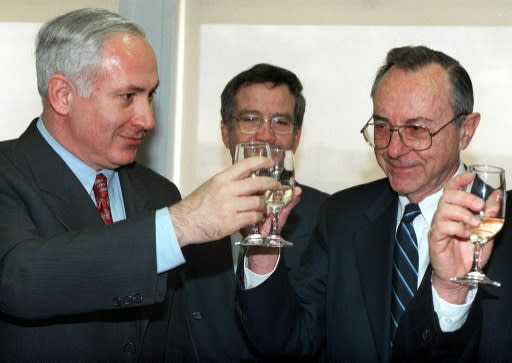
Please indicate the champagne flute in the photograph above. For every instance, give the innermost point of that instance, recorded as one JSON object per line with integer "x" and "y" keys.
{"x": 276, "y": 200}
{"x": 243, "y": 151}
{"x": 488, "y": 184}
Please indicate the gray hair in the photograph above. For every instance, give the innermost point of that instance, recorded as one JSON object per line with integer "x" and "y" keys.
{"x": 414, "y": 58}
{"x": 71, "y": 45}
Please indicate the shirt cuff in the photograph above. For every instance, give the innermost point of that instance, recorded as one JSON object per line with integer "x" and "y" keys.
{"x": 252, "y": 279}
{"x": 168, "y": 250}
{"x": 452, "y": 316}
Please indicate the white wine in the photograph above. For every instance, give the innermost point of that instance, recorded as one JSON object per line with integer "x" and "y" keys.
{"x": 487, "y": 229}
{"x": 275, "y": 200}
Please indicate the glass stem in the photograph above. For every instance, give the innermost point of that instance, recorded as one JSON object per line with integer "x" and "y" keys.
{"x": 254, "y": 229}
{"x": 274, "y": 223}
{"x": 477, "y": 247}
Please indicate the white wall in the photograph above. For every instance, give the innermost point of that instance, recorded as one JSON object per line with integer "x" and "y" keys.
{"x": 337, "y": 65}
{"x": 19, "y": 99}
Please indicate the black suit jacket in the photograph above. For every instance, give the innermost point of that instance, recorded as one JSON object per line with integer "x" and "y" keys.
{"x": 341, "y": 295}
{"x": 210, "y": 286}
{"x": 72, "y": 288}
{"x": 487, "y": 334}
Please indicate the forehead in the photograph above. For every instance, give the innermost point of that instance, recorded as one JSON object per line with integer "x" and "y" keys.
{"x": 128, "y": 57}
{"x": 264, "y": 96}
{"x": 405, "y": 94}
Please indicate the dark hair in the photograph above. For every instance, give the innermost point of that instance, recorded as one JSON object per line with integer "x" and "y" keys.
{"x": 262, "y": 73}
{"x": 414, "y": 58}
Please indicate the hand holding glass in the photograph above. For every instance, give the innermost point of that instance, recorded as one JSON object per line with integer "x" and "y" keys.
{"x": 243, "y": 151}
{"x": 488, "y": 184}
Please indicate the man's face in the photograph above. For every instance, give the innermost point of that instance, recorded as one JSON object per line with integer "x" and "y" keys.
{"x": 105, "y": 129}
{"x": 404, "y": 97}
{"x": 267, "y": 100}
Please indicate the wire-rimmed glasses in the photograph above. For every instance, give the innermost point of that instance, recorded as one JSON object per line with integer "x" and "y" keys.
{"x": 377, "y": 132}
{"x": 251, "y": 122}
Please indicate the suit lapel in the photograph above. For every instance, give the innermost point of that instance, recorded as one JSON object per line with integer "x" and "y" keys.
{"x": 134, "y": 192}
{"x": 60, "y": 189}
{"x": 374, "y": 252}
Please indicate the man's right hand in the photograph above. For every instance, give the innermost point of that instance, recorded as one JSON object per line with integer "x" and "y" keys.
{"x": 224, "y": 204}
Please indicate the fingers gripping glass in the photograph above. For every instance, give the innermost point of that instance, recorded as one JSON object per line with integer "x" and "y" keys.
{"x": 251, "y": 123}
{"x": 378, "y": 133}
{"x": 243, "y": 151}
{"x": 488, "y": 184}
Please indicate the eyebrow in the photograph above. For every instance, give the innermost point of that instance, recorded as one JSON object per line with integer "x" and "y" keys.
{"x": 406, "y": 122}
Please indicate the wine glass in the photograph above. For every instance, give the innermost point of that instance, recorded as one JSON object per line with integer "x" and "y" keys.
{"x": 243, "y": 151}
{"x": 488, "y": 184}
{"x": 276, "y": 200}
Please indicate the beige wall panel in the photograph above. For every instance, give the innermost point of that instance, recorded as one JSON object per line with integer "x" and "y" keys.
{"x": 42, "y": 10}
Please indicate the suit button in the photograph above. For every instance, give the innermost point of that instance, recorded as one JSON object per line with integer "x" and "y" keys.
{"x": 117, "y": 302}
{"x": 129, "y": 348}
{"x": 197, "y": 315}
{"x": 137, "y": 298}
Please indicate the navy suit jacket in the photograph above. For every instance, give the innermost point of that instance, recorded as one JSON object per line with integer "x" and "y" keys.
{"x": 72, "y": 288}
{"x": 210, "y": 286}
{"x": 341, "y": 294}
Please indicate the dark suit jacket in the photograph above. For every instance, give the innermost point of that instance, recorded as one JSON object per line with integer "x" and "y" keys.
{"x": 210, "y": 285}
{"x": 72, "y": 288}
{"x": 487, "y": 334}
{"x": 341, "y": 295}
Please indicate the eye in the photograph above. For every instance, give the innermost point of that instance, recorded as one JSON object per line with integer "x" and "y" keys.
{"x": 281, "y": 121}
{"x": 151, "y": 96}
{"x": 380, "y": 125}
{"x": 127, "y": 96}
{"x": 249, "y": 118}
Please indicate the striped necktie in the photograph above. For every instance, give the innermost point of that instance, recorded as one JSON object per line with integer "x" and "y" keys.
{"x": 405, "y": 265}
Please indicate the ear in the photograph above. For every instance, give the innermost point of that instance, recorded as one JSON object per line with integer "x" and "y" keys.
{"x": 224, "y": 130}
{"x": 468, "y": 129}
{"x": 60, "y": 94}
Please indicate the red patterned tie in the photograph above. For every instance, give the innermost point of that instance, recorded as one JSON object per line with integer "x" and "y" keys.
{"x": 101, "y": 193}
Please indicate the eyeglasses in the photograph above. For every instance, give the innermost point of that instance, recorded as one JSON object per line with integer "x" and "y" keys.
{"x": 251, "y": 123}
{"x": 378, "y": 133}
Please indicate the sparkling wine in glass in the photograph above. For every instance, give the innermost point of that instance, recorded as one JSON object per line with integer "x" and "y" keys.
{"x": 276, "y": 200}
{"x": 488, "y": 184}
{"x": 243, "y": 151}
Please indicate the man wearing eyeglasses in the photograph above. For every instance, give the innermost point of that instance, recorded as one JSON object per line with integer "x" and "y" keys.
{"x": 369, "y": 261}
{"x": 263, "y": 103}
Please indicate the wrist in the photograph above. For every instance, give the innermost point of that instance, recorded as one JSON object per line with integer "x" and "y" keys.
{"x": 452, "y": 292}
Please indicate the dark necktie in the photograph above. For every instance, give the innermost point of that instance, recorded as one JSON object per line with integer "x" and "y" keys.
{"x": 101, "y": 194}
{"x": 405, "y": 265}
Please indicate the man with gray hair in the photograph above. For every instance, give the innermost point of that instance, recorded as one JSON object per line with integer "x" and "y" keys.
{"x": 369, "y": 259}
{"x": 90, "y": 240}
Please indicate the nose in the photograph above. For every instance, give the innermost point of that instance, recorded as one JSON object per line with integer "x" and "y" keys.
{"x": 265, "y": 133}
{"x": 396, "y": 146}
{"x": 146, "y": 116}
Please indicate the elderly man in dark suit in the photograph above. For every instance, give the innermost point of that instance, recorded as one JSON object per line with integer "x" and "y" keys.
{"x": 89, "y": 239}
{"x": 264, "y": 94}
{"x": 369, "y": 255}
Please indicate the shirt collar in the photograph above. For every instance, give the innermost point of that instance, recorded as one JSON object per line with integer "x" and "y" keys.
{"x": 428, "y": 205}
{"x": 85, "y": 174}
